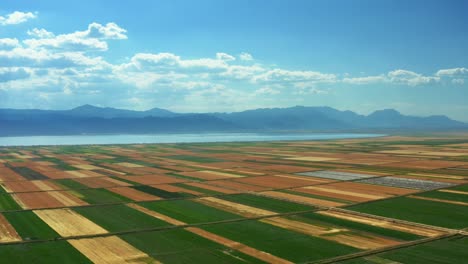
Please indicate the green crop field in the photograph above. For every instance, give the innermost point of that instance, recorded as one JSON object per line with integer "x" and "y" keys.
{"x": 99, "y": 196}
{"x": 189, "y": 211}
{"x": 275, "y": 205}
{"x": 279, "y": 242}
{"x": 8, "y": 203}
{"x": 115, "y": 218}
{"x": 446, "y": 251}
{"x": 54, "y": 252}
{"x": 29, "y": 226}
{"x": 159, "y": 192}
{"x": 324, "y": 220}
{"x": 420, "y": 211}
{"x": 181, "y": 246}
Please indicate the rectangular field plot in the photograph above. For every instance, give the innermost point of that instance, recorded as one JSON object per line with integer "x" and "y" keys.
{"x": 189, "y": 211}
{"x": 29, "y": 226}
{"x": 279, "y": 242}
{"x": 407, "y": 183}
{"x": 115, "y": 218}
{"x": 450, "y": 250}
{"x": 262, "y": 202}
{"x": 42, "y": 253}
{"x": 337, "y": 175}
{"x": 419, "y": 211}
{"x": 99, "y": 196}
{"x": 325, "y": 219}
{"x": 184, "y": 246}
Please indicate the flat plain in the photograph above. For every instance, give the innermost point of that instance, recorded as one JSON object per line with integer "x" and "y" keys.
{"x": 394, "y": 199}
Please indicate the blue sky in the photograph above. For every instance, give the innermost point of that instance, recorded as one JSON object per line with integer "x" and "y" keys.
{"x": 201, "y": 56}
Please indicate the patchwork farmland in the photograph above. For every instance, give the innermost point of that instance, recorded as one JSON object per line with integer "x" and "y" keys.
{"x": 382, "y": 200}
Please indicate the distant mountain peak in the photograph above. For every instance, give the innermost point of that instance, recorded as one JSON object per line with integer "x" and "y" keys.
{"x": 85, "y": 107}
{"x": 386, "y": 113}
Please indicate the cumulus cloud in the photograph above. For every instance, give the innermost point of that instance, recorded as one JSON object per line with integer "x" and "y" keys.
{"x": 452, "y": 72}
{"x": 109, "y": 31}
{"x": 16, "y": 17}
{"x": 245, "y": 56}
{"x": 286, "y": 76}
{"x": 94, "y": 38}
{"x": 224, "y": 56}
{"x": 364, "y": 80}
{"x": 40, "y": 33}
{"x": 8, "y": 43}
{"x": 410, "y": 78}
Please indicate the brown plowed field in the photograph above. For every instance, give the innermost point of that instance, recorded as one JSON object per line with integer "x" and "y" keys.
{"x": 6, "y": 174}
{"x": 133, "y": 194}
{"x": 101, "y": 182}
{"x": 7, "y": 232}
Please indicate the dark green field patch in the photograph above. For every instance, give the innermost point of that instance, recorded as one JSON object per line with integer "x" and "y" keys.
{"x": 29, "y": 226}
{"x": 280, "y": 242}
{"x": 197, "y": 189}
{"x": 8, "y": 203}
{"x": 420, "y": 211}
{"x": 29, "y": 173}
{"x": 445, "y": 196}
{"x": 279, "y": 206}
{"x": 181, "y": 246}
{"x": 324, "y": 220}
{"x": 47, "y": 253}
{"x": 446, "y": 251}
{"x": 160, "y": 193}
{"x": 189, "y": 211}
{"x": 317, "y": 196}
{"x": 116, "y": 218}
{"x": 70, "y": 184}
{"x": 99, "y": 196}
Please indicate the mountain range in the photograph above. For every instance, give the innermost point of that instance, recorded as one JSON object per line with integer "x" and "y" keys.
{"x": 88, "y": 119}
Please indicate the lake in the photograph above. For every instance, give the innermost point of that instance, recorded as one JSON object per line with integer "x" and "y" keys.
{"x": 172, "y": 138}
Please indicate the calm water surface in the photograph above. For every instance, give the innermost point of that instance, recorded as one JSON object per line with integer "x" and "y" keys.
{"x": 170, "y": 138}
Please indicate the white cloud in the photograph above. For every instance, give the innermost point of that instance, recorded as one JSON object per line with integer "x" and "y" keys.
{"x": 458, "y": 81}
{"x": 109, "y": 31}
{"x": 40, "y": 33}
{"x": 286, "y": 76}
{"x": 364, "y": 80}
{"x": 224, "y": 56}
{"x": 245, "y": 56}
{"x": 410, "y": 78}
{"x": 16, "y": 17}
{"x": 8, "y": 43}
{"x": 452, "y": 72}
{"x": 91, "y": 39}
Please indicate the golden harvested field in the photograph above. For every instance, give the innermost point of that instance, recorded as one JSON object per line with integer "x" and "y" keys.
{"x": 235, "y": 202}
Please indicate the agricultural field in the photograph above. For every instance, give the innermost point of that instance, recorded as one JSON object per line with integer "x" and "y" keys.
{"x": 392, "y": 199}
